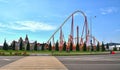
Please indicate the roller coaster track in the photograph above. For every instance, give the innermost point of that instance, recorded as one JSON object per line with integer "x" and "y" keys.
{"x": 85, "y": 27}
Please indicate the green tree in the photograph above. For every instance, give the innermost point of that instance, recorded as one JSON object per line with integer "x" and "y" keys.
{"x": 57, "y": 46}
{"x": 84, "y": 47}
{"x": 5, "y": 46}
{"x": 92, "y": 48}
{"x": 71, "y": 46}
{"x": 77, "y": 47}
{"x": 13, "y": 45}
{"x": 103, "y": 46}
{"x": 28, "y": 46}
{"x": 98, "y": 47}
{"x": 50, "y": 47}
{"x": 64, "y": 46}
{"x": 107, "y": 46}
{"x": 21, "y": 44}
{"x": 42, "y": 47}
{"x": 115, "y": 48}
{"x": 35, "y": 46}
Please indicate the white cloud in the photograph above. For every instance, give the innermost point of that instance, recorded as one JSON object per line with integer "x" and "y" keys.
{"x": 29, "y": 26}
{"x": 7, "y": 32}
{"x": 108, "y": 10}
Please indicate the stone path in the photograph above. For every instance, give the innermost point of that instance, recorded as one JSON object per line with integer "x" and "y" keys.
{"x": 35, "y": 63}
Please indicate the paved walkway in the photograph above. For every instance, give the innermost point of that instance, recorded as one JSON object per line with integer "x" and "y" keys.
{"x": 35, "y": 63}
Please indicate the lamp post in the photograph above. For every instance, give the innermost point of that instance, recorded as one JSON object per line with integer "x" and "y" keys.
{"x": 91, "y": 45}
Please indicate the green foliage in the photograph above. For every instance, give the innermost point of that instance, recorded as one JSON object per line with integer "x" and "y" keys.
{"x": 50, "y": 47}
{"x": 98, "y": 47}
{"x": 57, "y": 46}
{"x": 77, "y": 47}
{"x": 13, "y": 45}
{"x": 84, "y": 47}
{"x": 42, "y": 47}
{"x": 92, "y": 48}
{"x": 64, "y": 46}
{"x": 71, "y": 46}
{"x": 28, "y": 46}
{"x": 107, "y": 46}
{"x": 21, "y": 44}
{"x": 35, "y": 46}
{"x": 103, "y": 46}
{"x": 5, "y": 46}
{"x": 115, "y": 48}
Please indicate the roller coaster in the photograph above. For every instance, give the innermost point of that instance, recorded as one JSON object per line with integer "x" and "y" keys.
{"x": 85, "y": 37}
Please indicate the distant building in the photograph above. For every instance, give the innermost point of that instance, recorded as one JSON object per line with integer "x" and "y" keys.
{"x": 112, "y": 45}
{"x": 17, "y": 44}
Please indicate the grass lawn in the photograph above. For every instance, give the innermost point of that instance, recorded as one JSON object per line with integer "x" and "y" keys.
{"x": 54, "y": 53}
{"x": 75, "y": 53}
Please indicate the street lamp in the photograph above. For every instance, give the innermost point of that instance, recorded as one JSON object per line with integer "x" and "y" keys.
{"x": 91, "y": 48}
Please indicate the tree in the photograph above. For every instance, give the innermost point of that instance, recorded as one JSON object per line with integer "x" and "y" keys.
{"x": 57, "y": 46}
{"x": 21, "y": 44}
{"x": 77, "y": 47}
{"x": 115, "y": 48}
{"x": 64, "y": 46}
{"x": 71, "y": 46}
{"x": 50, "y": 47}
{"x": 5, "y": 46}
{"x": 98, "y": 47}
{"x": 107, "y": 46}
{"x": 28, "y": 46}
{"x": 103, "y": 46}
{"x": 35, "y": 46}
{"x": 13, "y": 45}
{"x": 42, "y": 47}
{"x": 84, "y": 46}
{"x": 92, "y": 48}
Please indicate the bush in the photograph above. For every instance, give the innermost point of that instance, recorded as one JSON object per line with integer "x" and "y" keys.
{"x": 17, "y": 53}
{"x": 25, "y": 54}
{"x": 10, "y": 53}
{"x": 115, "y": 48}
{"x": 2, "y": 53}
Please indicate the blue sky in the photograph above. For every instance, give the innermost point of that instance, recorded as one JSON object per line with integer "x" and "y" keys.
{"x": 40, "y": 18}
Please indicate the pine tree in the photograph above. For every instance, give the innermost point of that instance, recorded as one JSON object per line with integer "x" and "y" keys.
{"x": 92, "y": 48}
{"x": 107, "y": 46}
{"x": 5, "y": 46}
{"x": 21, "y": 44}
{"x": 103, "y": 46}
{"x": 71, "y": 46}
{"x": 35, "y": 46}
{"x": 28, "y": 46}
{"x": 13, "y": 45}
{"x": 84, "y": 47}
{"x": 50, "y": 47}
{"x": 98, "y": 47}
{"x": 57, "y": 46}
{"x": 77, "y": 47}
{"x": 64, "y": 46}
{"x": 42, "y": 48}
{"x": 115, "y": 48}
